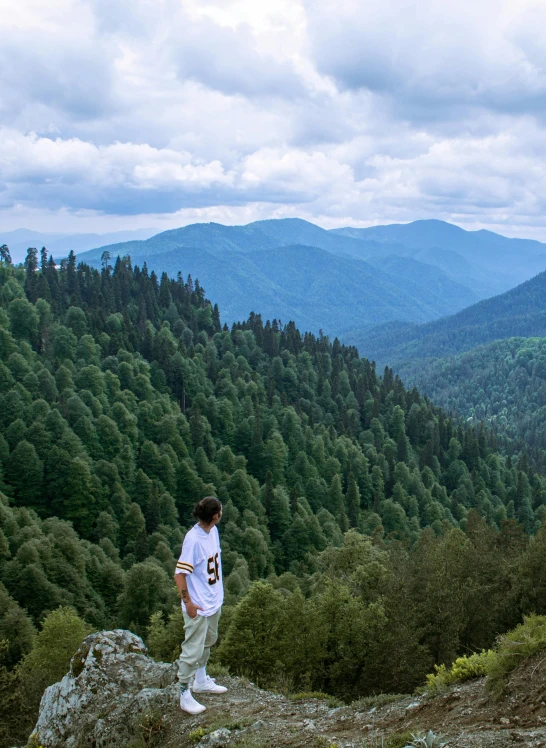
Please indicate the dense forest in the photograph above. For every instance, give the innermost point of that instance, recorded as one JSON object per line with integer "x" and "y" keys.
{"x": 375, "y": 522}
{"x": 502, "y": 384}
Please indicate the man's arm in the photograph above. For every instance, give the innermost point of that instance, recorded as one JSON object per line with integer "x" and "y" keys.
{"x": 181, "y": 583}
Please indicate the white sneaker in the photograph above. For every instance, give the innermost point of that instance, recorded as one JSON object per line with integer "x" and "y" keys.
{"x": 189, "y": 704}
{"x": 209, "y": 685}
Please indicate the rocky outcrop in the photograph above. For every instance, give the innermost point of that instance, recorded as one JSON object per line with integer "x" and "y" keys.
{"x": 110, "y": 684}
{"x": 115, "y": 696}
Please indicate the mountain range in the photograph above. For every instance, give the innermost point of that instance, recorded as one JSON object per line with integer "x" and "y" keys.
{"x": 345, "y": 281}
{"x": 340, "y": 281}
{"x": 484, "y": 257}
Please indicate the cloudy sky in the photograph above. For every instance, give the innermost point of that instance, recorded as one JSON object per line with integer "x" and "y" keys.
{"x": 120, "y": 114}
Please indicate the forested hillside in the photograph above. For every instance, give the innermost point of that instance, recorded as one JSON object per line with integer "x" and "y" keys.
{"x": 519, "y": 312}
{"x": 123, "y": 401}
{"x": 502, "y": 383}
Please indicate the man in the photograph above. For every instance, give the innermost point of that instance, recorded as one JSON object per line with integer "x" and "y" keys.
{"x": 198, "y": 577}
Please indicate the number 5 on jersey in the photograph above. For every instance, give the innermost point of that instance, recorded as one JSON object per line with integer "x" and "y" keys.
{"x": 213, "y": 569}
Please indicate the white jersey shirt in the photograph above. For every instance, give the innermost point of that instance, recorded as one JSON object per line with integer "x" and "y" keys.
{"x": 201, "y": 562}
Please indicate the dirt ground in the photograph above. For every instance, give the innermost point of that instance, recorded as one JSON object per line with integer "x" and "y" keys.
{"x": 464, "y": 716}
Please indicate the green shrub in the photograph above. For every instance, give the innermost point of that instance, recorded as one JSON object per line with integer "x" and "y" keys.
{"x": 34, "y": 742}
{"x": 332, "y": 701}
{"x": 464, "y": 668}
{"x": 164, "y": 639}
{"x": 322, "y": 742}
{"x": 381, "y": 699}
{"x": 230, "y": 724}
{"x": 215, "y": 670}
{"x": 151, "y": 727}
{"x": 514, "y": 648}
{"x": 62, "y": 633}
{"x": 399, "y": 740}
{"x": 197, "y": 734}
{"x": 21, "y": 688}
{"x": 428, "y": 740}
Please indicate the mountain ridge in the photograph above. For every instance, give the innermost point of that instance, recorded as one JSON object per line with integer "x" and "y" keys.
{"x": 244, "y": 277}
{"x": 520, "y": 312}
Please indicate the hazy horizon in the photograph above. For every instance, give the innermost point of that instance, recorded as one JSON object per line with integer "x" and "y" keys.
{"x": 157, "y": 230}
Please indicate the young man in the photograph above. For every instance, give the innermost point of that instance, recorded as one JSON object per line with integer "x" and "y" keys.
{"x": 198, "y": 577}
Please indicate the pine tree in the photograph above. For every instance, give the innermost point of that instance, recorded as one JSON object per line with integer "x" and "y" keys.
{"x": 353, "y": 502}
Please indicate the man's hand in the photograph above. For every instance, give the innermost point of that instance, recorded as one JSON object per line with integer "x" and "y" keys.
{"x": 191, "y": 609}
{"x": 181, "y": 583}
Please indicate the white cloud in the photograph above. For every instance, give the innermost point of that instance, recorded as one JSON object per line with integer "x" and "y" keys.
{"x": 432, "y": 57}
{"x": 166, "y": 111}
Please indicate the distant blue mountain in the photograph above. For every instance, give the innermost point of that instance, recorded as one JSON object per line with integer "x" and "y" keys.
{"x": 253, "y": 237}
{"x": 292, "y": 269}
{"x": 427, "y": 275}
{"x": 346, "y": 279}
{"x": 509, "y": 261}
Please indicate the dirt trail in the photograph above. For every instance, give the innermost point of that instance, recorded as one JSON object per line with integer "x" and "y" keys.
{"x": 464, "y": 716}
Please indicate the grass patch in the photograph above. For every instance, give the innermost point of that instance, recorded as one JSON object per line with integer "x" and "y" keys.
{"x": 380, "y": 699}
{"x": 399, "y": 740}
{"x": 332, "y": 701}
{"x": 246, "y": 741}
{"x": 523, "y": 642}
{"x": 34, "y": 741}
{"x": 198, "y": 733}
{"x": 232, "y": 724}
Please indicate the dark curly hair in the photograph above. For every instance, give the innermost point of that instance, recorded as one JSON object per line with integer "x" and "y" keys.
{"x": 206, "y": 509}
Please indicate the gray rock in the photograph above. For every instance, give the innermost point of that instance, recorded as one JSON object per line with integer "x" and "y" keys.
{"x": 110, "y": 685}
{"x": 217, "y": 738}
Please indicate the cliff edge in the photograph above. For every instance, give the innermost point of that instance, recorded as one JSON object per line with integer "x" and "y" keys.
{"x": 116, "y": 696}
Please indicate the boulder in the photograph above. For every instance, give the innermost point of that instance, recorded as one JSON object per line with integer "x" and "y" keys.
{"x": 111, "y": 684}
{"x": 216, "y": 739}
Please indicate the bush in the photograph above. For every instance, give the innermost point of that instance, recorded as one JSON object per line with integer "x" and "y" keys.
{"x": 514, "y": 648}
{"x": 165, "y": 639}
{"x": 381, "y": 699}
{"x": 21, "y": 688}
{"x": 428, "y": 740}
{"x": 464, "y": 668}
{"x": 332, "y": 701}
{"x": 152, "y": 727}
{"x": 399, "y": 740}
{"x": 61, "y": 635}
